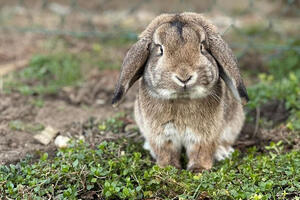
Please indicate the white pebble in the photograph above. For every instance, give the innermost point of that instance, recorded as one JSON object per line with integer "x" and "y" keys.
{"x": 61, "y": 141}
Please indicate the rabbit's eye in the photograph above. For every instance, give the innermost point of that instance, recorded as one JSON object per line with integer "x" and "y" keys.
{"x": 202, "y": 48}
{"x": 160, "y": 49}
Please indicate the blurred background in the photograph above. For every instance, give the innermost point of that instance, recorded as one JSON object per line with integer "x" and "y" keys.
{"x": 59, "y": 61}
{"x": 257, "y": 30}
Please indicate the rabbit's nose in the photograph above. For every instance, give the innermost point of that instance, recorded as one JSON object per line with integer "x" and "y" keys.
{"x": 184, "y": 81}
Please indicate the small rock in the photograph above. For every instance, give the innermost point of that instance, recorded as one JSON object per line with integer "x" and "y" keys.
{"x": 100, "y": 101}
{"x": 46, "y": 135}
{"x": 61, "y": 141}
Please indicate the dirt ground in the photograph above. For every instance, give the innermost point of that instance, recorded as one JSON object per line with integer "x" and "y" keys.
{"x": 72, "y": 109}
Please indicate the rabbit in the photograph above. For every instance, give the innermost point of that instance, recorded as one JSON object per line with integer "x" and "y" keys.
{"x": 190, "y": 92}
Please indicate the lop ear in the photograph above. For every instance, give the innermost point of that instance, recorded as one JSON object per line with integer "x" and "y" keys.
{"x": 227, "y": 64}
{"x": 223, "y": 55}
{"x": 132, "y": 68}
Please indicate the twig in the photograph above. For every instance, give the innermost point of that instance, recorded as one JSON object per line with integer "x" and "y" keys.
{"x": 256, "y": 121}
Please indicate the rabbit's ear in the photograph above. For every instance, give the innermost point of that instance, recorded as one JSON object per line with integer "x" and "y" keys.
{"x": 227, "y": 64}
{"x": 132, "y": 68}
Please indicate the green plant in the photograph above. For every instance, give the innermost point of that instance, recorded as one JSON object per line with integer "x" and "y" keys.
{"x": 114, "y": 124}
{"x": 286, "y": 89}
{"x": 46, "y": 74}
{"x": 117, "y": 170}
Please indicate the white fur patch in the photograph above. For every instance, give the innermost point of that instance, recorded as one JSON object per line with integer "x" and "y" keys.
{"x": 163, "y": 93}
{"x": 180, "y": 138}
{"x": 166, "y": 93}
{"x": 170, "y": 130}
{"x": 170, "y": 133}
{"x": 223, "y": 153}
{"x": 189, "y": 137}
{"x": 147, "y": 146}
{"x": 227, "y": 135}
{"x": 199, "y": 92}
{"x": 193, "y": 79}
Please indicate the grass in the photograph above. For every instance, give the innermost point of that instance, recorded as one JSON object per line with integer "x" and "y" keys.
{"x": 121, "y": 170}
{"x": 46, "y": 74}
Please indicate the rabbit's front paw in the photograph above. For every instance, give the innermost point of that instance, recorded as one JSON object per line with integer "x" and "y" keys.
{"x": 166, "y": 162}
{"x": 198, "y": 167}
{"x": 200, "y": 157}
{"x": 223, "y": 152}
{"x": 167, "y": 154}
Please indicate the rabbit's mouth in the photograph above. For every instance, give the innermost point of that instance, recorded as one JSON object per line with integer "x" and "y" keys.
{"x": 183, "y": 95}
{"x": 191, "y": 93}
{"x": 195, "y": 92}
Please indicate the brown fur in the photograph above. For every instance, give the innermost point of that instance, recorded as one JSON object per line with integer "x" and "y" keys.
{"x": 167, "y": 154}
{"x": 201, "y": 156}
{"x": 182, "y": 101}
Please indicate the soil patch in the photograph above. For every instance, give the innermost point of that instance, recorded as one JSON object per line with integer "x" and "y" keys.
{"x": 64, "y": 112}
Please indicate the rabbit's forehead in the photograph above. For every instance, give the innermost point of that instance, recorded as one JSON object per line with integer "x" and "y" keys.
{"x": 175, "y": 35}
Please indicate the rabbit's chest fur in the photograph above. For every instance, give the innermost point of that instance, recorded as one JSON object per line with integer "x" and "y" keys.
{"x": 182, "y": 121}
{"x": 180, "y": 136}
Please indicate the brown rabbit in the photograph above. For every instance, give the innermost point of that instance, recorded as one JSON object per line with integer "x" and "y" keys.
{"x": 190, "y": 90}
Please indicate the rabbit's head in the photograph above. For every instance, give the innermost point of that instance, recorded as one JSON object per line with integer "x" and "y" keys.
{"x": 180, "y": 56}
